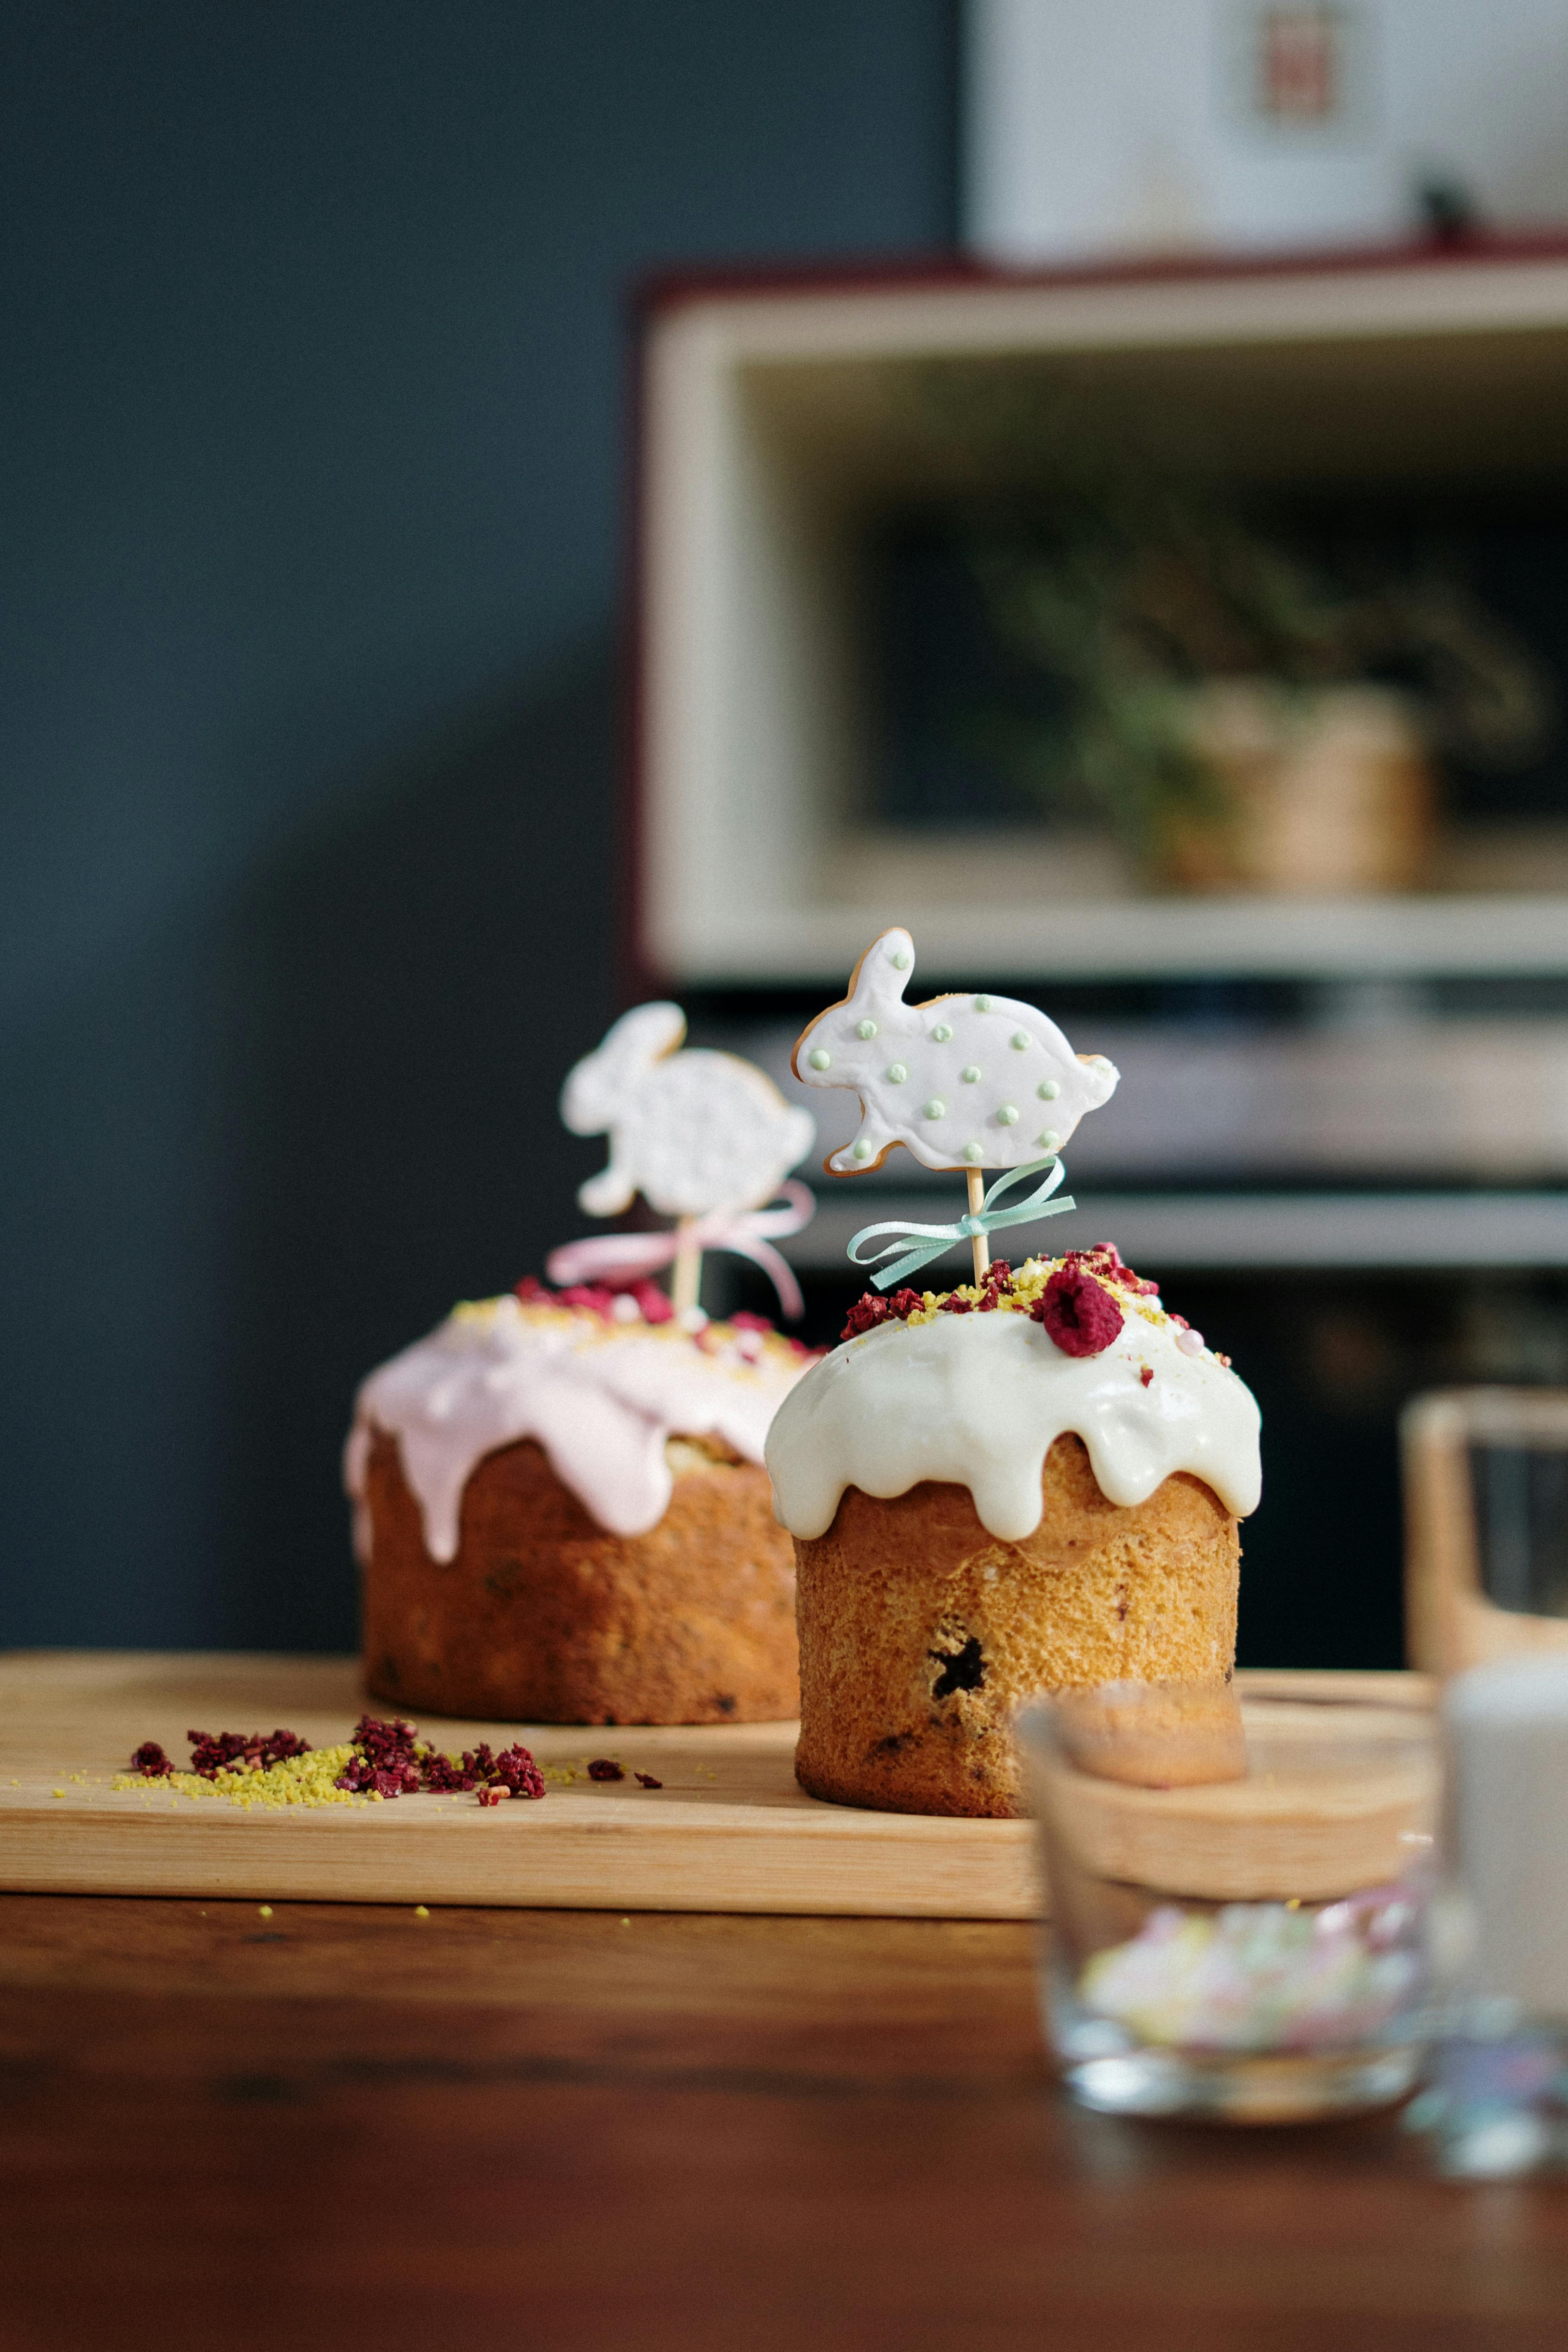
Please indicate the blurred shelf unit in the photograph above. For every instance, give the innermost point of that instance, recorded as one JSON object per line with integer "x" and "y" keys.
{"x": 1425, "y": 1102}
{"x": 782, "y": 423}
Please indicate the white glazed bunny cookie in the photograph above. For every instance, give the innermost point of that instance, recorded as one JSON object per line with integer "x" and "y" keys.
{"x": 964, "y": 1081}
{"x": 692, "y": 1131}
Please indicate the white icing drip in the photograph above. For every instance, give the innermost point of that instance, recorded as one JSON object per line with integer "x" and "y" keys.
{"x": 979, "y": 1400}
{"x": 601, "y": 1400}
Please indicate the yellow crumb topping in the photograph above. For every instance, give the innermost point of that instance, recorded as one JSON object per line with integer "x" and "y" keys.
{"x": 753, "y": 1346}
{"x": 1027, "y": 1286}
{"x": 307, "y": 1780}
{"x": 299, "y": 1780}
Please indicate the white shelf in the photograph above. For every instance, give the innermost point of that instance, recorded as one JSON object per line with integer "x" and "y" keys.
{"x": 780, "y": 427}
{"x": 1238, "y": 1233}
{"x": 762, "y": 945}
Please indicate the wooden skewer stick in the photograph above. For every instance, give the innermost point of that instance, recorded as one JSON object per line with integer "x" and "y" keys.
{"x": 978, "y": 1242}
{"x": 687, "y": 1281}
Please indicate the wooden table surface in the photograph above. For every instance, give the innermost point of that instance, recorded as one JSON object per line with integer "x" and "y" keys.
{"x": 349, "y": 2126}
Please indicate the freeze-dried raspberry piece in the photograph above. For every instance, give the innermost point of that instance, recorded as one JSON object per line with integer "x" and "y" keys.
{"x": 517, "y": 1773}
{"x": 150, "y": 1761}
{"x": 605, "y": 1767}
{"x": 249, "y": 1752}
{"x": 1079, "y": 1313}
{"x": 867, "y": 1311}
{"x": 384, "y": 1762}
{"x": 590, "y": 1296}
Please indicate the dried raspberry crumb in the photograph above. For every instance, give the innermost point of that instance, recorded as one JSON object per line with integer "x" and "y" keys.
{"x": 1147, "y": 1374}
{"x": 248, "y": 1751}
{"x": 656, "y": 1304}
{"x": 1079, "y": 1313}
{"x": 533, "y": 1292}
{"x": 1180, "y": 1321}
{"x": 1105, "y": 1262}
{"x": 905, "y": 1302}
{"x": 744, "y": 1322}
{"x": 517, "y": 1773}
{"x": 955, "y": 1305}
{"x": 384, "y": 1762}
{"x": 590, "y": 1296}
{"x": 605, "y": 1767}
{"x": 647, "y": 1781}
{"x": 387, "y": 1762}
{"x": 867, "y": 1311}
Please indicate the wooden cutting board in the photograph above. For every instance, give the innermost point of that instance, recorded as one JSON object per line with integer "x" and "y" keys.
{"x": 727, "y": 1831}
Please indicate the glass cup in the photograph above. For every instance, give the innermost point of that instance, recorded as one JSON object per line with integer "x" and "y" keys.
{"x": 1238, "y": 1896}
{"x": 1485, "y": 1492}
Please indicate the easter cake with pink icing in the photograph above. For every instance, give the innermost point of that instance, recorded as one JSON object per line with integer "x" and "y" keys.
{"x": 562, "y": 1515}
{"x": 560, "y": 1512}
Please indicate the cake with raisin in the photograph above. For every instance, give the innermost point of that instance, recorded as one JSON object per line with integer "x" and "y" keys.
{"x": 1029, "y": 1483}
{"x": 562, "y": 1515}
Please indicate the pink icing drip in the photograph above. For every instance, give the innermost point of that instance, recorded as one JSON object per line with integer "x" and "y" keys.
{"x": 601, "y": 1402}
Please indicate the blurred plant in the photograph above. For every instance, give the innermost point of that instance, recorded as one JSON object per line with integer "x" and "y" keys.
{"x": 1131, "y": 581}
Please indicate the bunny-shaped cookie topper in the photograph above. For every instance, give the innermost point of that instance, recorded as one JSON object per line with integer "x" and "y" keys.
{"x": 705, "y": 1138}
{"x": 962, "y": 1081}
{"x": 692, "y": 1130}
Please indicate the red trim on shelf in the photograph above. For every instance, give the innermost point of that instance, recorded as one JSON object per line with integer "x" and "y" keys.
{"x": 662, "y": 290}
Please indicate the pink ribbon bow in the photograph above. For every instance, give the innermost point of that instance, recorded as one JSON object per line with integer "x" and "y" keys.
{"x": 618, "y": 1260}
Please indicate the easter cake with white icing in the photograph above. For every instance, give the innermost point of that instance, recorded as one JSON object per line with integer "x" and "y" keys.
{"x": 1028, "y": 1482}
{"x": 562, "y": 1516}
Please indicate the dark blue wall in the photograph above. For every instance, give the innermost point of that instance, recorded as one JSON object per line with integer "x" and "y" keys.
{"x": 309, "y": 502}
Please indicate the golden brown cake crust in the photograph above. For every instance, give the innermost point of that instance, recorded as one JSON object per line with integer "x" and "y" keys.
{"x": 920, "y": 1632}
{"x": 544, "y": 1617}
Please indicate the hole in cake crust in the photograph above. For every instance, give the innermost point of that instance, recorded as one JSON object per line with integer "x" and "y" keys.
{"x": 726, "y": 1703}
{"x": 893, "y": 1745}
{"x": 962, "y": 1669}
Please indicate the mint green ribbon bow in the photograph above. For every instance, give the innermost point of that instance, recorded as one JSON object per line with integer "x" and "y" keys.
{"x": 934, "y": 1239}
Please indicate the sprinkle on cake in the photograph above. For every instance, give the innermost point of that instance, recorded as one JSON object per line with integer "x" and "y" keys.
{"x": 1082, "y": 1298}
